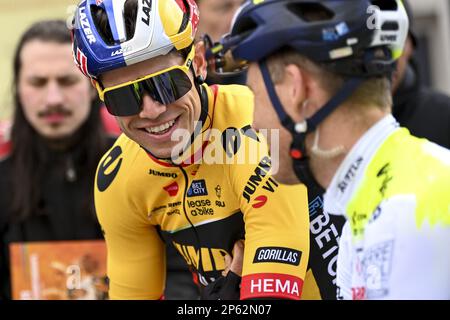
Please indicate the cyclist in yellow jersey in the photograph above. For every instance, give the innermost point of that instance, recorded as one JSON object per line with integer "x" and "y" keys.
{"x": 323, "y": 67}
{"x": 203, "y": 193}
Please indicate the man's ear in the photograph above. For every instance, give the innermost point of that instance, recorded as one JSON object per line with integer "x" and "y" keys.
{"x": 294, "y": 76}
{"x": 200, "y": 63}
{"x": 307, "y": 92}
{"x": 293, "y": 90}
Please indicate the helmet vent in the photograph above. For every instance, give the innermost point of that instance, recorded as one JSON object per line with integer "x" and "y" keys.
{"x": 246, "y": 24}
{"x": 390, "y": 26}
{"x": 389, "y": 5}
{"x": 130, "y": 12}
{"x": 310, "y": 12}
{"x": 103, "y": 27}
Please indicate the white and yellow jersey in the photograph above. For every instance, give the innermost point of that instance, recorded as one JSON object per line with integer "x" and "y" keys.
{"x": 394, "y": 190}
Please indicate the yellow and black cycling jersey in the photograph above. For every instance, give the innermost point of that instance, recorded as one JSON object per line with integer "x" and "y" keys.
{"x": 203, "y": 208}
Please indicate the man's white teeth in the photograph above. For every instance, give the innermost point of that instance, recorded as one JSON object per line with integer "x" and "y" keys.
{"x": 161, "y": 128}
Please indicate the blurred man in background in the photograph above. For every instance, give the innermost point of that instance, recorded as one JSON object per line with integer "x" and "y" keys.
{"x": 424, "y": 111}
{"x": 215, "y": 22}
{"x": 48, "y": 162}
{"x": 216, "y": 16}
{"x": 46, "y": 185}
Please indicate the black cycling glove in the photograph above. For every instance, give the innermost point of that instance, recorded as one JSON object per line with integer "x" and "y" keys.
{"x": 224, "y": 288}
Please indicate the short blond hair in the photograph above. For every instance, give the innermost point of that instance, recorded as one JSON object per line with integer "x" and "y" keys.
{"x": 373, "y": 91}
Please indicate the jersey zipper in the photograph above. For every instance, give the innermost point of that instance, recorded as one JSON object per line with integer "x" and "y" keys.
{"x": 200, "y": 264}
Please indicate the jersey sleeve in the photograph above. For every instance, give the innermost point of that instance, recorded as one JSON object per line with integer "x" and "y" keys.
{"x": 276, "y": 231}
{"x": 136, "y": 254}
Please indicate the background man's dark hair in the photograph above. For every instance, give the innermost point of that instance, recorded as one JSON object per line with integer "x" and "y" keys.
{"x": 28, "y": 147}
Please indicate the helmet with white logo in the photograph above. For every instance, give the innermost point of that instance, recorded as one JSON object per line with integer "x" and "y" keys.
{"x": 356, "y": 39}
{"x": 159, "y": 26}
{"x": 335, "y": 33}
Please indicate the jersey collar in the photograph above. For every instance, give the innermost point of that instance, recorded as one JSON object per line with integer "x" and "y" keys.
{"x": 351, "y": 171}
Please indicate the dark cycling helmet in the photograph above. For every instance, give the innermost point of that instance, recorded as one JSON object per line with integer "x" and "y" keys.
{"x": 354, "y": 38}
{"x": 333, "y": 32}
{"x": 161, "y": 26}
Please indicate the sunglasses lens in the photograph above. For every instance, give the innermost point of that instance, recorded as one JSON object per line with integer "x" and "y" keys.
{"x": 165, "y": 88}
{"x": 125, "y": 101}
{"x": 168, "y": 87}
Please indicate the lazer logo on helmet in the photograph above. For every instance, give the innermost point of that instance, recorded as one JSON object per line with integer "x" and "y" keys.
{"x": 121, "y": 51}
{"x": 146, "y": 9}
{"x": 85, "y": 25}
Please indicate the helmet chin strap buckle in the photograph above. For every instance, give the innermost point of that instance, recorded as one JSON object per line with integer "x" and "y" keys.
{"x": 301, "y": 127}
{"x": 297, "y": 151}
{"x": 296, "y": 154}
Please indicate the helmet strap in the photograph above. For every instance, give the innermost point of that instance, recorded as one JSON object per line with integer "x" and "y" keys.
{"x": 198, "y": 82}
{"x": 300, "y": 130}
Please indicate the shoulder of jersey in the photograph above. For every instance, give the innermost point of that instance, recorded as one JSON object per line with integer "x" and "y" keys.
{"x": 235, "y": 100}
{"x": 428, "y": 162}
{"x": 128, "y": 147}
{"x": 117, "y": 162}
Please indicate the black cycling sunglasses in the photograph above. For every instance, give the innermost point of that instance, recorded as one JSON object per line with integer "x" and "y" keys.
{"x": 165, "y": 86}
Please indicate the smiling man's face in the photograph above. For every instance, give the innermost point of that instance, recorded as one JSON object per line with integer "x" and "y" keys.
{"x": 154, "y": 125}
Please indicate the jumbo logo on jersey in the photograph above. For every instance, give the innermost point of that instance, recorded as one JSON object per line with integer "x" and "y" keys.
{"x": 261, "y": 172}
{"x": 197, "y": 188}
{"x": 212, "y": 259}
{"x": 162, "y": 174}
{"x": 278, "y": 255}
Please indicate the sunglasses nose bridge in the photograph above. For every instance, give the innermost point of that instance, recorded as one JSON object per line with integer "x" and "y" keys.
{"x": 159, "y": 91}
{"x": 150, "y": 108}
